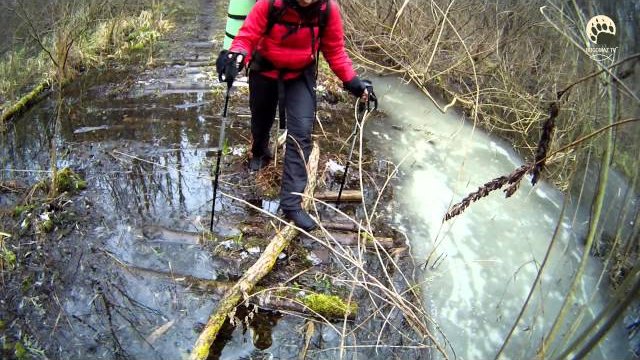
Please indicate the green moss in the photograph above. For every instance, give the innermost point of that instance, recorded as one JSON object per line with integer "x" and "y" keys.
{"x": 47, "y": 226}
{"x": 67, "y": 180}
{"x": 252, "y": 242}
{"x": 27, "y": 282}
{"x": 20, "y": 352}
{"x": 7, "y": 345}
{"x": 8, "y": 258}
{"x": 367, "y": 237}
{"x": 330, "y": 306}
{"x": 19, "y": 210}
{"x": 81, "y": 184}
{"x": 202, "y": 352}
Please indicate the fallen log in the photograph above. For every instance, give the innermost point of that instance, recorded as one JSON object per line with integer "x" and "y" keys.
{"x": 312, "y": 304}
{"x": 12, "y": 186}
{"x": 340, "y": 226}
{"x": 353, "y": 239}
{"x": 255, "y": 273}
{"x": 347, "y": 196}
{"x": 317, "y": 305}
{"x": 24, "y": 103}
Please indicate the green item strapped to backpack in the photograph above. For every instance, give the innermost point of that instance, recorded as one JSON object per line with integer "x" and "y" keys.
{"x": 237, "y": 13}
{"x": 239, "y": 9}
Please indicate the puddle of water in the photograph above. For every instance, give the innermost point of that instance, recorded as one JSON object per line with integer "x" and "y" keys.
{"x": 148, "y": 162}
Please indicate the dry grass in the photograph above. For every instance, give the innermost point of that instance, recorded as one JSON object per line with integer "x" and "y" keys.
{"x": 520, "y": 71}
{"x": 84, "y": 37}
{"x": 268, "y": 179}
{"x": 502, "y": 63}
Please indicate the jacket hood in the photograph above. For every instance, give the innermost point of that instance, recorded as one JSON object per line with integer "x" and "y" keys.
{"x": 305, "y": 11}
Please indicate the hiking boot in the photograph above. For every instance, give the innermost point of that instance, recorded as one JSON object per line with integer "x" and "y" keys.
{"x": 259, "y": 162}
{"x": 260, "y": 159}
{"x": 301, "y": 219}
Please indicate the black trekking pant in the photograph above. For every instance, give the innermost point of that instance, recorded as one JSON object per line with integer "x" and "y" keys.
{"x": 300, "y": 108}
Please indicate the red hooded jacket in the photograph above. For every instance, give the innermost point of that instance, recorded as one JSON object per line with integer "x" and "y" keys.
{"x": 293, "y": 50}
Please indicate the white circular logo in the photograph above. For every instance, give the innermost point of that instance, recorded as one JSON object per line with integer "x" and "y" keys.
{"x": 601, "y": 30}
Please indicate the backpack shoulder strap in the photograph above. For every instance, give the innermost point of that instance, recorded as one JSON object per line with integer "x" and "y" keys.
{"x": 274, "y": 15}
{"x": 276, "y": 12}
{"x": 324, "y": 17}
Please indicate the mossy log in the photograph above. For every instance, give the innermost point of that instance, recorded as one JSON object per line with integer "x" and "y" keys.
{"x": 317, "y": 305}
{"x": 255, "y": 273}
{"x": 328, "y": 306}
{"x": 24, "y": 102}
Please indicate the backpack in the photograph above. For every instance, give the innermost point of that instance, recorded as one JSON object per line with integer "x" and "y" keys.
{"x": 276, "y": 13}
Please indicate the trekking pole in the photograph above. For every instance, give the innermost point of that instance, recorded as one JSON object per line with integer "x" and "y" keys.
{"x": 365, "y": 110}
{"x": 220, "y": 148}
{"x": 346, "y": 166}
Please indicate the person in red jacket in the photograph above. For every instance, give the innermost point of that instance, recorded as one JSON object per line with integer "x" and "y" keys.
{"x": 279, "y": 41}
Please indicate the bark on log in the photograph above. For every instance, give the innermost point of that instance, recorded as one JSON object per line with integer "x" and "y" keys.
{"x": 352, "y": 239}
{"x": 340, "y": 226}
{"x": 347, "y": 196}
{"x": 255, "y": 273}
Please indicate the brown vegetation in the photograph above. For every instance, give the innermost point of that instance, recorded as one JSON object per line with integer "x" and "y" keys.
{"x": 502, "y": 63}
{"x": 522, "y": 72}
{"x": 63, "y": 38}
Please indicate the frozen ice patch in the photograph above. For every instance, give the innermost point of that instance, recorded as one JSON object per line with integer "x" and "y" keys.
{"x": 334, "y": 167}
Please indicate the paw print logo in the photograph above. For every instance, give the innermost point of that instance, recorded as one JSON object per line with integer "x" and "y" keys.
{"x": 601, "y": 30}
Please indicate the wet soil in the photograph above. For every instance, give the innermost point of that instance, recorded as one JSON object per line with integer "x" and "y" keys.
{"x": 110, "y": 280}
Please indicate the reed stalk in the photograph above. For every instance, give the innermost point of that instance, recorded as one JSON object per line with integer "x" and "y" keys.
{"x": 593, "y": 225}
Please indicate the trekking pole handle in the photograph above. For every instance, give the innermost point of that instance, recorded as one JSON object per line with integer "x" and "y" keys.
{"x": 371, "y": 96}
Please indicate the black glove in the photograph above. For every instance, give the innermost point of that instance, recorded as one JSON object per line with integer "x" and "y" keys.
{"x": 357, "y": 88}
{"x": 221, "y": 61}
{"x": 228, "y": 65}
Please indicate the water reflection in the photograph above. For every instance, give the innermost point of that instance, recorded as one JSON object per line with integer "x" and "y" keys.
{"x": 147, "y": 162}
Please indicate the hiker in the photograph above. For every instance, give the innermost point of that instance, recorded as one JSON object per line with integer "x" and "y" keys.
{"x": 279, "y": 42}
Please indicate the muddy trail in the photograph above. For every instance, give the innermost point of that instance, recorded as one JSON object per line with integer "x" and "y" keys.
{"x": 124, "y": 268}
